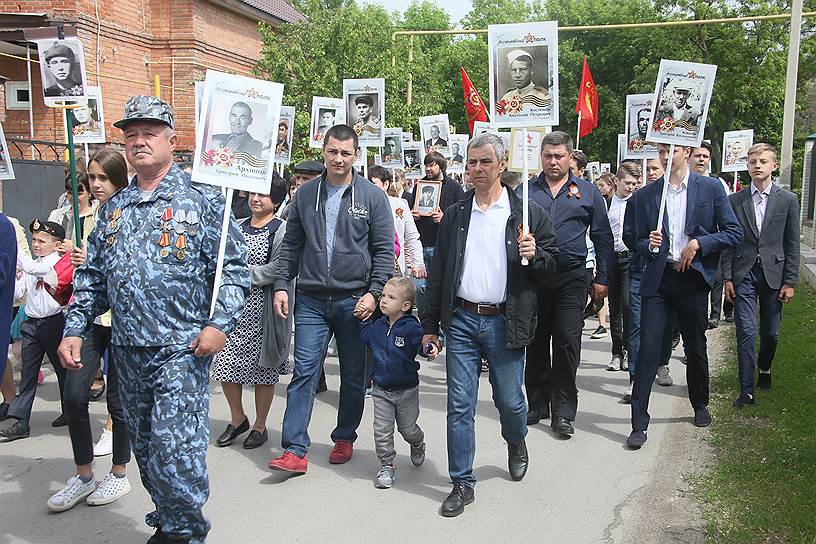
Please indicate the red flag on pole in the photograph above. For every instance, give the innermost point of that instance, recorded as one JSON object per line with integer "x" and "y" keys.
{"x": 587, "y": 106}
{"x": 475, "y": 106}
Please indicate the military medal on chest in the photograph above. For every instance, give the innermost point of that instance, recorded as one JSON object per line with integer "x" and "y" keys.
{"x": 192, "y": 222}
{"x": 166, "y": 227}
{"x": 114, "y": 217}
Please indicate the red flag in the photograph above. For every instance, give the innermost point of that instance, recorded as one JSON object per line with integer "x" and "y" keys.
{"x": 475, "y": 106}
{"x": 587, "y": 106}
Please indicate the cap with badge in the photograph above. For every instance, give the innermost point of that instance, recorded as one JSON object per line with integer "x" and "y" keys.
{"x": 516, "y": 54}
{"x": 364, "y": 99}
{"x": 49, "y": 227}
{"x": 146, "y": 108}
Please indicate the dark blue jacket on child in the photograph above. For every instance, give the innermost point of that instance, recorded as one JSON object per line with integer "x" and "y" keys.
{"x": 395, "y": 350}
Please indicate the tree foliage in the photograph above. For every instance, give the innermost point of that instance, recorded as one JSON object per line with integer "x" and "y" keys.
{"x": 342, "y": 39}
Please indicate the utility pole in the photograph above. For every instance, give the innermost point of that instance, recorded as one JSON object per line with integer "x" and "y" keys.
{"x": 785, "y": 172}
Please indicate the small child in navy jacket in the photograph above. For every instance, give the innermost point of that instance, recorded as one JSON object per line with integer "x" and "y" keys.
{"x": 395, "y": 339}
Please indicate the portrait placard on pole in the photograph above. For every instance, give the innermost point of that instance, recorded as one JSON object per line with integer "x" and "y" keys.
{"x": 6, "y": 169}
{"x": 62, "y": 68}
{"x": 236, "y": 114}
{"x": 523, "y": 63}
{"x": 594, "y": 169}
{"x": 326, "y": 112}
{"x": 458, "y": 149}
{"x": 391, "y": 152}
{"x": 639, "y": 109}
{"x": 605, "y": 168}
{"x": 735, "y": 149}
{"x": 682, "y": 97}
{"x": 414, "y": 154}
{"x": 365, "y": 109}
{"x": 282, "y": 136}
{"x": 435, "y": 131}
{"x": 89, "y": 120}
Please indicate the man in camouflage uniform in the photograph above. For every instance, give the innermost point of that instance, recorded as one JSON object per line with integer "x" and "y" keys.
{"x": 151, "y": 260}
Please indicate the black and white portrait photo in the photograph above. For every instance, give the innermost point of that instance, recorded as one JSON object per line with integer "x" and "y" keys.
{"x": 62, "y": 68}
{"x": 427, "y": 200}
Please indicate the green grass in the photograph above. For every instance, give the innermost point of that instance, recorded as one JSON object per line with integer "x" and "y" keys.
{"x": 762, "y": 487}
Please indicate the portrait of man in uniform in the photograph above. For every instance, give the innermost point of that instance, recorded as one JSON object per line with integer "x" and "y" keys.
{"x": 428, "y": 197}
{"x": 524, "y": 94}
{"x": 282, "y": 145}
{"x": 391, "y": 149}
{"x": 239, "y": 139}
{"x": 61, "y": 70}
{"x": 367, "y": 122}
{"x": 325, "y": 120}
{"x": 643, "y": 116}
{"x": 456, "y": 155}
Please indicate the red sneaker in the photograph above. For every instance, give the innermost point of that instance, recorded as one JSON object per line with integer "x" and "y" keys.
{"x": 289, "y": 462}
{"x": 341, "y": 452}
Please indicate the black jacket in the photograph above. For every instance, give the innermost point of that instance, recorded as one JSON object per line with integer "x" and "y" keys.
{"x": 363, "y": 257}
{"x": 446, "y": 269}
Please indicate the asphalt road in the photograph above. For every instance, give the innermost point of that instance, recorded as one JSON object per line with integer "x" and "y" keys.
{"x": 577, "y": 490}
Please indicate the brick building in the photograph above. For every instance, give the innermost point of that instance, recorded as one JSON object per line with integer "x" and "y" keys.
{"x": 127, "y": 43}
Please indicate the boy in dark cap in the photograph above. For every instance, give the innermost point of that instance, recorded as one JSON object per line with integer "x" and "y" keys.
{"x": 42, "y": 331}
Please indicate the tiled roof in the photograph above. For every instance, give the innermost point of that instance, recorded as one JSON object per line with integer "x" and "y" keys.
{"x": 277, "y": 8}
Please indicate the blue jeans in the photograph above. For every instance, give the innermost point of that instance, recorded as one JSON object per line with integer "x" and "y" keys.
{"x": 634, "y": 320}
{"x": 469, "y": 336}
{"x": 315, "y": 321}
{"x": 420, "y": 283}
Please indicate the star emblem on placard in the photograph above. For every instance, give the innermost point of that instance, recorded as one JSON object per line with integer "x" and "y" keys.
{"x": 529, "y": 139}
{"x": 692, "y": 74}
{"x": 367, "y": 88}
{"x": 251, "y": 93}
{"x": 529, "y": 38}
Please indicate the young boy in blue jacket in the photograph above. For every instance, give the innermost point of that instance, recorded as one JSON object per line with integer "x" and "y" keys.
{"x": 395, "y": 339}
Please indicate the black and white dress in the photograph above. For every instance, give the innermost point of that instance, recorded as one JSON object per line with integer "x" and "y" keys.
{"x": 238, "y": 363}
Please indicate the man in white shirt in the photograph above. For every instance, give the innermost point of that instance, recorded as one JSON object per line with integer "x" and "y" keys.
{"x": 42, "y": 331}
{"x": 629, "y": 176}
{"x": 681, "y": 258}
{"x": 485, "y": 300}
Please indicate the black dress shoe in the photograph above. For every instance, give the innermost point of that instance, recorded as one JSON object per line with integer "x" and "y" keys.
{"x": 517, "y": 460}
{"x": 156, "y": 538}
{"x": 231, "y": 433}
{"x": 96, "y": 394}
{"x": 636, "y": 439}
{"x": 764, "y": 380}
{"x": 743, "y": 400}
{"x": 534, "y": 415}
{"x": 713, "y": 323}
{"x": 701, "y": 417}
{"x": 60, "y": 421}
{"x": 4, "y": 408}
{"x": 17, "y": 431}
{"x": 562, "y": 425}
{"x": 460, "y": 495}
{"x": 255, "y": 439}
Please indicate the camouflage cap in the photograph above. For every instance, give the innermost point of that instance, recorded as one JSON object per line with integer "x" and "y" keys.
{"x": 146, "y": 108}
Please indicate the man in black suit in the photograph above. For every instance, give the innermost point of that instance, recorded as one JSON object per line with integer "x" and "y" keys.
{"x": 764, "y": 267}
{"x": 681, "y": 260}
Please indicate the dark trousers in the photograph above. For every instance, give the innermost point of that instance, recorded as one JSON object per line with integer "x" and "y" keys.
{"x": 77, "y": 395}
{"x": 672, "y": 331}
{"x": 687, "y": 293}
{"x": 40, "y": 337}
{"x": 619, "y": 304}
{"x": 717, "y": 298}
{"x": 751, "y": 290}
{"x": 551, "y": 378}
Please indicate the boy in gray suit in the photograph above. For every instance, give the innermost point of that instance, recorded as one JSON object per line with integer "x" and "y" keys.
{"x": 763, "y": 268}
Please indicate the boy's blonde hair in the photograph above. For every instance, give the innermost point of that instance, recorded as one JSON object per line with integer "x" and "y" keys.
{"x": 406, "y": 286}
{"x": 761, "y": 148}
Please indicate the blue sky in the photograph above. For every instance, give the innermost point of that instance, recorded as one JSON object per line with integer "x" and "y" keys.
{"x": 456, "y": 8}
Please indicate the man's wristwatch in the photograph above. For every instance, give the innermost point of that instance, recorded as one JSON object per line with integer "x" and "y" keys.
{"x": 376, "y": 293}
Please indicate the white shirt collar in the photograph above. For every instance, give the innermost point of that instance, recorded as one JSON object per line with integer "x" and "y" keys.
{"x": 683, "y": 184}
{"x": 502, "y": 202}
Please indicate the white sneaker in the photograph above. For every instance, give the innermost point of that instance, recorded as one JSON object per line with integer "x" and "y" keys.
{"x": 105, "y": 445}
{"x": 615, "y": 364}
{"x": 67, "y": 497}
{"x": 110, "y": 489}
{"x": 385, "y": 477}
{"x": 625, "y": 361}
{"x": 663, "y": 376}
